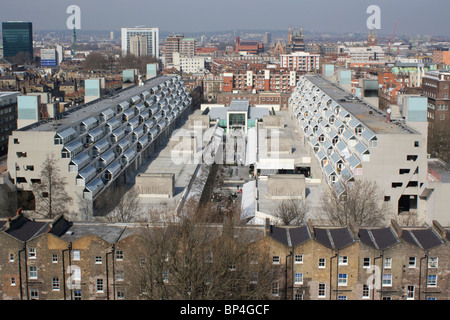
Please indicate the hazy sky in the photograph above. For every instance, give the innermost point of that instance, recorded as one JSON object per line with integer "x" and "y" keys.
{"x": 413, "y": 16}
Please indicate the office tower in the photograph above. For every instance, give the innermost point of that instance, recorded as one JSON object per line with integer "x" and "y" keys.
{"x": 49, "y": 58}
{"x": 152, "y": 35}
{"x": 267, "y": 39}
{"x": 138, "y": 45}
{"x": 17, "y": 37}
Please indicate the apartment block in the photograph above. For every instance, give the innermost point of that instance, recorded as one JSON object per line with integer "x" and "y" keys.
{"x": 152, "y": 37}
{"x": 436, "y": 87}
{"x": 300, "y": 61}
{"x": 351, "y": 140}
{"x": 100, "y": 142}
{"x": 178, "y": 43}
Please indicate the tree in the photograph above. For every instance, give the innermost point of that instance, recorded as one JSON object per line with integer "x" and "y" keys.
{"x": 117, "y": 204}
{"x": 439, "y": 142}
{"x": 291, "y": 211}
{"x": 50, "y": 194}
{"x": 190, "y": 259}
{"x": 359, "y": 204}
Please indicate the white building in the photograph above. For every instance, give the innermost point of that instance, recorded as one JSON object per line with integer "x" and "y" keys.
{"x": 300, "y": 61}
{"x": 99, "y": 142}
{"x": 188, "y": 64}
{"x": 362, "y": 56}
{"x": 351, "y": 141}
{"x": 152, "y": 35}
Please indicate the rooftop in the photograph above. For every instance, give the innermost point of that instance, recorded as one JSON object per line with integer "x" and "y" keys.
{"x": 78, "y": 114}
{"x": 375, "y": 119}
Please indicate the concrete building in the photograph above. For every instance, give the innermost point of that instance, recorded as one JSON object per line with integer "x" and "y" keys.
{"x": 152, "y": 35}
{"x": 138, "y": 45}
{"x": 363, "y": 56}
{"x": 188, "y": 64}
{"x": 101, "y": 142}
{"x": 354, "y": 141}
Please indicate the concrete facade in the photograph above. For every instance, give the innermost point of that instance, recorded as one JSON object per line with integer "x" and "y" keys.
{"x": 100, "y": 143}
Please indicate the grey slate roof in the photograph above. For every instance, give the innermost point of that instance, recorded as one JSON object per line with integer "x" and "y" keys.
{"x": 290, "y": 236}
{"x": 379, "y": 238}
{"x": 334, "y": 238}
{"x": 423, "y": 238}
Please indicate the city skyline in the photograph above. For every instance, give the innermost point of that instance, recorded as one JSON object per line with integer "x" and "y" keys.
{"x": 344, "y": 16}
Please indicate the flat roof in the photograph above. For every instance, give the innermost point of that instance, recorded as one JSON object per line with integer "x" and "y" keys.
{"x": 373, "y": 118}
{"x": 79, "y": 113}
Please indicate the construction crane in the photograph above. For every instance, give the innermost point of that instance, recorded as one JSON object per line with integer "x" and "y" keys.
{"x": 392, "y": 39}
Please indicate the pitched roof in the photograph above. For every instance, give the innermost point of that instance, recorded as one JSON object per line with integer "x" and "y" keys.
{"x": 290, "y": 236}
{"x": 334, "y": 238}
{"x": 423, "y": 238}
{"x": 379, "y": 238}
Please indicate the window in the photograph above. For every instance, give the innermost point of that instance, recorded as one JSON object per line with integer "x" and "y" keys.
{"x": 416, "y": 144}
{"x": 11, "y": 257}
{"x": 275, "y": 289}
{"x": 119, "y": 275}
{"x": 343, "y": 260}
{"x": 165, "y": 275}
{"x": 99, "y": 285}
{"x": 410, "y": 293}
{"x": 404, "y": 171}
{"x": 411, "y": 157}
{"x": 387, "y": 198}
{"x": 387, "y": 280}
{"x": 298, "y": 278}
{"x": 432, "y": 281}
{"x": 321, "y": 263}
{"x": 387, "y": 263}
{"x": 366, "y": 292}
{"x": 119, "y": 255}
{"x": 32, "y": 272}
{"x": 55, "y": 284}
{"x": 54, "y": 258}
{"x": 13, "y": 282}
{"x": 432, "y": 262}
{"x": 98, "y": 260}
{"x": 396, "y": 184}
{"x": 412, "y": 262}
{"x": 76, "y": 255}
{"x": 298, "y": 296}
{"x": 366, "y": 263}
{"x": 342, "y": 297}
{"x": 77, "y": 295}
{"x": 322, "y": 287}
{"x": 34, "y": 294}
{"x": 120, "y": 295}
{"x": 31, "y": 253}
{"x": 276, "y": 260}
{"x": 342, "y": 279}
{"x": 298, "y": 258}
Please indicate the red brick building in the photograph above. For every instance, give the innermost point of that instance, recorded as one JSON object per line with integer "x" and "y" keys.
{"x": 253, "y": 47}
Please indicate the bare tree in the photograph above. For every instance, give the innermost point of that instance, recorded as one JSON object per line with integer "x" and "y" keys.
{"x": 360, "y": 204}
{"x": 191, "y": 259}
{"x": 117, "y": 204}
{"x": 50, "y": 194}
{"x": 291, "y": 211}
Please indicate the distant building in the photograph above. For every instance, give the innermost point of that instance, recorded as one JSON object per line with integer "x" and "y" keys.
{"x": 138, "y": 45}
{"x": 441, "y": 56}
{"x": 253, "y": 47}
{"x": 296, "y": 40}
{"x": 17, "y": 37}
{"x": 152, "y": 35}
{"x": 300, "y": 61}
{"x": 49, "y": 58}
{"x": 178, "y": 43}
{"x": 194, "y": 64}
{"x": 8, "y": 118}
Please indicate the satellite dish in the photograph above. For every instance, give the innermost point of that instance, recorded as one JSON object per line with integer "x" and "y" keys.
{"x": 388, "y": 110}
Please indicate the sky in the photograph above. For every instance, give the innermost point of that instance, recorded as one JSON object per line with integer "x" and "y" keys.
{"x": 413, "y": 17}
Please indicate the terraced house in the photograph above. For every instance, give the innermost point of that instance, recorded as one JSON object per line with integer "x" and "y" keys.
{"x": 59, "y": 259}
